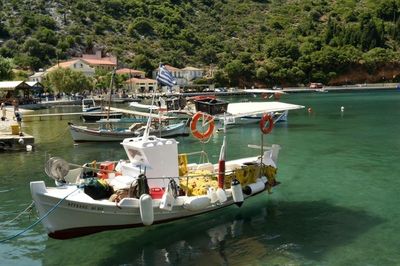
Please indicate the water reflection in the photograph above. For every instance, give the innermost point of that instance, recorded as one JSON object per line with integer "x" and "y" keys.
{"x": 260, "y": 232}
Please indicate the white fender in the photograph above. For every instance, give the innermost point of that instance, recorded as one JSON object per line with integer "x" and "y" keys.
{"x": 237, "y": 192}
{"x": 196, "y": 203}
{"x": 146, "y": 209}
{"x": 254, "y": 188}
{"x": 221, "y": 195}
{"x": 212, "y": 194}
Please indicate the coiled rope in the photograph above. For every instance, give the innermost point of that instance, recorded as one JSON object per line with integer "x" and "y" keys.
{"x": 38, "y": 221}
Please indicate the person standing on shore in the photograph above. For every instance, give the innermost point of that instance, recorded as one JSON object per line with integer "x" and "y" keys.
{"x": 3, "y": 112}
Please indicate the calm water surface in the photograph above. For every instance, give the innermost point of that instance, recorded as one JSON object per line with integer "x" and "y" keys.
{"x": 338, "y": 203}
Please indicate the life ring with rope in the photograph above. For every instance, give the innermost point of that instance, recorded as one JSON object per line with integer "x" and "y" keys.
{"x": 207, "y": 119}
{"x": 266, "y": 118}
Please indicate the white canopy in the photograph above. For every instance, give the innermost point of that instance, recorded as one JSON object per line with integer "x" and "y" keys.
{"x": 253, "y": 108}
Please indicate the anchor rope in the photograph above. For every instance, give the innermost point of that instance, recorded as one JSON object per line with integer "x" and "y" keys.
{"x": 39, "y": 220}
{"x": 24, "y": 211}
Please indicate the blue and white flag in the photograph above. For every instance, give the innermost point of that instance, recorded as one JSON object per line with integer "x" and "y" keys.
{"x": 165, "y": 77}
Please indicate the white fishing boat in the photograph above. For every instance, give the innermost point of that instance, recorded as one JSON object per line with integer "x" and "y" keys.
{"x": 111, "y": 130}
{"x": 155, "y": 185}
{"x": 245, "y": 112}
{"x": 89, "y": 105}
{"x": 92, "y": 112}
{"x": 162, "y": 105}
{"x": 250, "y": 112}
{"x": 144, "y": 107}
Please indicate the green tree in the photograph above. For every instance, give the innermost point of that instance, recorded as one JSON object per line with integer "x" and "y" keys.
{"x": 233, "y": 71}
{"x": 142, "y": 62}
{"x": 5, "y": 69}
{"x": 67, "y": 80}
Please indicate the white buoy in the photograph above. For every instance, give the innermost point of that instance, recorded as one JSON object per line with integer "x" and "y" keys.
{"x": 196, "y": 203}
{"x": 146, "y": 209}
{"x": 21, "y": 141}
{"x": 237, "y": 192}
{"x": 221, "y": 195}
{"x": 28, "y": 147}
{"x": 342, "y": 109}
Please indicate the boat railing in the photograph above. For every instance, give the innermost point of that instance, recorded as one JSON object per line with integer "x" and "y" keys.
{"x": 203, "y": 156}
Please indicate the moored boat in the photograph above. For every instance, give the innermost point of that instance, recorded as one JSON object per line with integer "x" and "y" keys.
{"x": 94, "y": 116}
{"x": 89, "y": 105}
{"x": 156, "y": 185}
{"x": 111, "y": 130}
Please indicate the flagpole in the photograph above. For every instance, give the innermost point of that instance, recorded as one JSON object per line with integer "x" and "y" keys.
{"x": 147, "y": 129}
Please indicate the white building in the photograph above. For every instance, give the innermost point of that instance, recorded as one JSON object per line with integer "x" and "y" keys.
{"x": 140, "y": 85}
{"x": 184, "y": 76}
{"x": 37, "y": 76}
{"x": 76, "y": 65}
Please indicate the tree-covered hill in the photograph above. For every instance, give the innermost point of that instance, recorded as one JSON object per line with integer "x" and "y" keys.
{"x": 242, "y": 42}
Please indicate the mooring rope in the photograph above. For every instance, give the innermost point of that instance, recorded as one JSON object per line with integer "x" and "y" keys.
{"x": 24, "y": 211}
{"x": 39, "y": 220}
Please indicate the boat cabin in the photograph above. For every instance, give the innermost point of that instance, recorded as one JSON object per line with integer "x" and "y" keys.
{"x": 156, "y": 157}
{"x": 88, "y": 104}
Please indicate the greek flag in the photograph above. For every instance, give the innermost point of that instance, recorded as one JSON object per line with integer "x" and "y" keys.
{"x": 165, "y": 77}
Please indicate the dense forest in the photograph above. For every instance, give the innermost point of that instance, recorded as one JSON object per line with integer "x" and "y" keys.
{"x": 241, "y": 42}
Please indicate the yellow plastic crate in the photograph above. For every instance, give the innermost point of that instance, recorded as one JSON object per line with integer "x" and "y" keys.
{"x": 15, "y": 129}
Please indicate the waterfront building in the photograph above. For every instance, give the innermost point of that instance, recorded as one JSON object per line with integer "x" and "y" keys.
{"x": 140, "y": 85}
{"x": 76, "y": 65}
{"x": 184, "y": 76}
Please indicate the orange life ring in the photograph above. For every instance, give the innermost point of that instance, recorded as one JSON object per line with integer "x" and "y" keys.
{"x": 206, "y": 118}
{"x": 264, "y": 119}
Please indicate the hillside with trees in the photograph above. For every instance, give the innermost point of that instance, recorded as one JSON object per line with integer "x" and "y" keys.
{"x": 242, "y": 42}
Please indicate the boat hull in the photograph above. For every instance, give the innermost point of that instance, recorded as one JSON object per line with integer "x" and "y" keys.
{"x": 82, "y": 133}
{"x": 95, "y": 116}
{"x": 75, "y": 215}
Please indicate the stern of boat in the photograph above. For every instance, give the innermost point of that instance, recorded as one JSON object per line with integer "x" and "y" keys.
{"x": 270, "y": 156}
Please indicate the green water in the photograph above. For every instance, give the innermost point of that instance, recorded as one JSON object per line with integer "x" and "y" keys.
{"x": 338, "y": 203}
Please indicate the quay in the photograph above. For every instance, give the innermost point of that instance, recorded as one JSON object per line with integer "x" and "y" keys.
{"x": 60, "y": 116}
{"x": 15, "y": 142}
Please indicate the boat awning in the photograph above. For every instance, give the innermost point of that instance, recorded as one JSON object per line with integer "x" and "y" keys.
{"x": 253, "y": 108}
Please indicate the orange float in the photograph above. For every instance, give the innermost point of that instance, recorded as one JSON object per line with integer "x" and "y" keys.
{"x": 263, "y": 121}
{"x": 207, "y": 119}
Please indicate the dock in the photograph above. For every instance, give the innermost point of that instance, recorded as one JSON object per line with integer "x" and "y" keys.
{"x": 61, "y": 116}
{"x": 12, "y": 142}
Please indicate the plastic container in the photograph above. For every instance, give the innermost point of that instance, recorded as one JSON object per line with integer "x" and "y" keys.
{"x": 211, "y": 106}
{"x": 105, "y": 169}
{"x": 15, "y": 129}
{"x": 156, "y": 192}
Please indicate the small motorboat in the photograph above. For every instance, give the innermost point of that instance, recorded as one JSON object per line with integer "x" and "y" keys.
{"x": 92, "y": 112}
{"x": 89, "y": 105}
